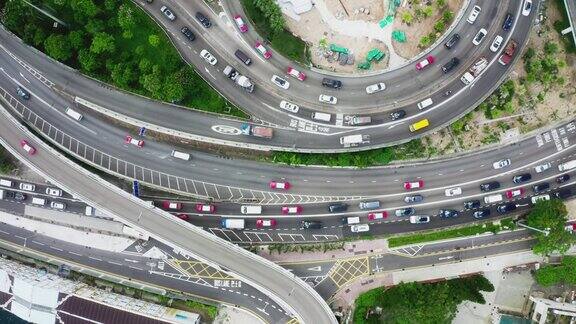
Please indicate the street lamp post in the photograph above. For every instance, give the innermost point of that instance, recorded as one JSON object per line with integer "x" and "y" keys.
{"x": 545, "y": 231}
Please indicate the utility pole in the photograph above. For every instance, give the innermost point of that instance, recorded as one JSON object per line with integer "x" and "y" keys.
{"x": 546, "y": 231}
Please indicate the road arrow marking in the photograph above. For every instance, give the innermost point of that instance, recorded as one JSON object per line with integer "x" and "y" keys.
{"x": 318, "y": 268}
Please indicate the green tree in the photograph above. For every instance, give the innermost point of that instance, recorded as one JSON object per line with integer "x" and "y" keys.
{"x": 154, "y": 40}
{"x": 550, "y": 215}
{"x": 439, "y": 26}
{"x": 447, "y": 16}
{"x": 88, "y": 61}
{"x": 428, "y": 11}
{"x": 103, "y": 43}
{"x": 84, "y": 9}
{"x": 554, "y": 274}
{"x": 77, "y": 39}
{"x": 173, "y": 89}
{"x": 58, "y": 47}
{"x": 126, "y": 17}
{"x": 440, "y": 4}
{"x": 407, "y": 17}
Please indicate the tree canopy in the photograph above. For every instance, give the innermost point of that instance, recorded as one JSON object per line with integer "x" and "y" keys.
{"x": 550, "y": 215}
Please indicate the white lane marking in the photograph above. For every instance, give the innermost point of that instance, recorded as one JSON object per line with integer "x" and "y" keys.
{"x": 93, "y": 258}
{"x": 23, "y": 77}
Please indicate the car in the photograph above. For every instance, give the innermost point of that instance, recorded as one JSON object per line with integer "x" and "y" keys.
{"x": 398, "y": 114}
{"x": 413, "y": 199}
{"x": 130, "y": 140}
{"x": 479, "y": 36}
{"x": 328, "y": 99}
{"x": 57, "y": 205}
{"x": 527, "y": 7}
{"x": 448, "y": 213}
{"x": 488, "y": 186}
{"x": 295, "y": 73}
{"x": 542, "y": 167}
{"x": 311, "y": 224}
{"x": 208, "y": 57}
{"x": 240, "y": 23}
{"x": 376, "y": 216}
{"x": 515, "y": 193}
{"x": 331, "y": 83}
{"x": 375, "y": 88}
{"x": 282, "y": 185}
{"x": 474, "y": 14}
{"x": 205, "y": 21}
{"x": 481, "y": 213}
{"x": 538, "y": 198}
{"x": 23, "y": 93}
{"x": 563, "y": 178}
{"x": 506, "y": 208}
{"x": 496, "y": 43}
{"x": 280, "y": 82}
{"x": 360, "y": 228}
{"x": 205, "y": 208}
{"x": 262, "y": 50}
{"x": 501, "y": 164}
{"x": 291, "y": 210}
{"x": 471, "y": 204}
{"x": 452, "y": 41}
{"x": 182, "y": 216}
{"x": 425, "y": 62}
{"x": 451, "y": 192}
{"x": 27, "y": 147}
{"x": 188, "y": 33}
{"x": 405, "y": 212}
{"x": 561, "y": 194}
{"x": 54, "y": 192}
{"x": 19, "y": 196}
{"x": 522, "y": 178}
{"x": 539, "y": 187}
{"x": 265, "y": 223}
{"x": 338, "y": 207}
{"x": 408, "y": 185}
{"x": 508, "y": 21}
{"x": 9, "y": 195}
{"x": 168, "y": 13}
{"x": 450, "y": 65}
{"x": 419, "y": 219}
{"x": 27, "y": 186}
{"x": 289, "y": 106}
{"x": 171, "y": 205}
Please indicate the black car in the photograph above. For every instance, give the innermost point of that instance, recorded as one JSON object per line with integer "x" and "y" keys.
{"x": 413, "y": 199}
{"x": 522, "y": 178}
{"x": 405, "y": 212}
{"x": 489, "y": 186}
{"x": 506, "y": 208}
{"x": 331, "y": 83}
{"x": 563, "y": 178}
{"x": 563, "y": 194}
{"x": 481, "y": 213}
{"x": 448, "y": 213}
{"x": 451, "y": 42}
{"x": 9, "y": 195}
{"x": 471, "y": 204}
{"x": 23, "y": 93}
{"x": 203, "y": 20}
{"x": 398, "y": 114}
{"x": 508, "y": 21}
{"x": 450, "y": 65}
{"x": 188, "y": 33}
{"x": 338, "y": 208}
{"x": 539, "y": 187}
{"x": 20, "y": 196}
{"x": 311, "y": 224}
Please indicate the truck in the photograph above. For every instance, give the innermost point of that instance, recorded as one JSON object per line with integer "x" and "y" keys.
{"x": 508, "y": 53}
{"x": 359, "y": 120}
{"x": 474, "y": 71}
{"x": 232, "y": 223}
{"x": 567, "y": 166}
{"x": 238, "y": 78}
{"x": 354, "y": 140}
{"x": 257, "y": 131}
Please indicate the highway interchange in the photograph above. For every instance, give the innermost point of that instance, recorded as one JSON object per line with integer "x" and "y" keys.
{"x": 228, "y": 182}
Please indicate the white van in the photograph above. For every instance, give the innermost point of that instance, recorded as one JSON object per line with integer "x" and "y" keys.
{"x": 58, "y": 205}
{"x": 180, "y": 155}
{"x": 251, "y": 209}
{"x": 74, "y": 114}
{"x": 5, "y": 183}
{"x": 38, "y": 201}
{"x": 351, "y": 220}
{"x": 360, "y": 228}
{"x": 89, "y": 211}
{"x": 425, "y": 103}
{"x": 322, "y": 116}
{"x": 493, "y": 199}
{"x": 536, "y": 199}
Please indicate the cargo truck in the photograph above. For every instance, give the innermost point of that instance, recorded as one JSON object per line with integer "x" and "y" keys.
{"x": 233, "y": 223}
{"x": 238, "y": 78}
{"x": 354, "y": 140}
{"x": 257, "y": 131}
{"x": 567, "y": 165}
{"x": 508, "y": 53}
{"x": 474, "y": 71}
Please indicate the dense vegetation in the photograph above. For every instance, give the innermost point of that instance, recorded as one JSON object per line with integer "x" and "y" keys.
{"x": 564, "y": 273}
{"x": 420, "y": 303}
{"x": 6, "y": 162}
{"x": 550, "y": 215}
{"x": 117, "y": 43}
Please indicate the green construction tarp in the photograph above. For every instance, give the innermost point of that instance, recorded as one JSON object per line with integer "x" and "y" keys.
{"x": 339, "y": 49}
{"x": 363, "y": 65}
{"x": 399, "y": 36}
{"x": 386, "y": 21}
{"x": 374, "y": 55}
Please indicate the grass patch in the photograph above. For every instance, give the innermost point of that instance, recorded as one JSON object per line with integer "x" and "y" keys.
{"x": 560, "y": 25}
{"x": 7, "y": 164}
{"x": 284, "y": 43}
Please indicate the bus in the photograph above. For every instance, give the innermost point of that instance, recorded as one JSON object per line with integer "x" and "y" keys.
{"x": 419, "y": 125}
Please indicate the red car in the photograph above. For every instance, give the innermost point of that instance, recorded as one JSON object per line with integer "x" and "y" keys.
{"x": 413, "y": 185}
{"x": 171, "y": 205}
{"x": 515, "y": 193}
{"x": 425, "y": 62}
{"x": 240, "y": 23}
{"x": 130, "y": 140}
{"x": 376, "y": 216}
{"x": 27, "y": 147}
{"x": 297, "y": 74}
{"x": 265, "y": 223}
{"x": 291, "y": 210}
{"x": 205, "y": 208}
{"x": 262, "y": 50}
{"x": 182, "y": 216}
{"x": 282, "y": 185}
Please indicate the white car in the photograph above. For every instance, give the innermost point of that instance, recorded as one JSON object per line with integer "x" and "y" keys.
{"x": 474, "y": 14}
{"x": 168, "y": 13}
{"x": 496, "y": 43}
{"x": 360, "y": 228}
{"x": 54, "y": 192}
{"x": 208, "y": 57}
{"x": 450, "y": 192}
{"x": 27, "y": 186}
{"x": 501, "y": 164}
{"x": 328, "y": 99}
{"x": 280, "y": 82}
{"x": 289, "y": 106}
{"x": 536, "y": 199}
{"x": 58, "y": 205}
{"x": 419, "y": 219}
{"x": 542, "y": 167}
{"x": 527, "y": 7}
{"x": 375, "y": 88}
{"x": 479, "y": 36}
